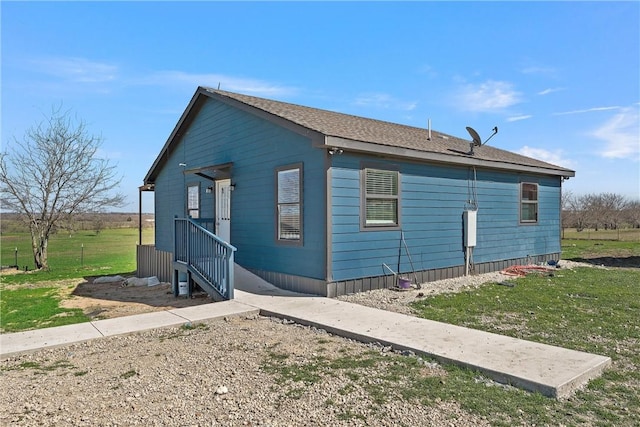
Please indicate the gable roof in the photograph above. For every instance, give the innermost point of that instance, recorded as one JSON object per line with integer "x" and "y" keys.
{"x": 353, "y": 133}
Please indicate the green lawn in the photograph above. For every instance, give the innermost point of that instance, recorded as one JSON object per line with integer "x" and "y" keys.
{"x": 589, "y": 309}
{"x": 35, "y": 308}
{"x": 585, "y": 250}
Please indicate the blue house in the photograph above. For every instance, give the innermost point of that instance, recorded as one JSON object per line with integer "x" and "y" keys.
{"x": 327, "y": 203}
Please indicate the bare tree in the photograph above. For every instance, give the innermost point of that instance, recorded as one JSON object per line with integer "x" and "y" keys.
{"x": 567, "y": 210}
{"x": 632, "y": 214}
{"x": 614, "y": 205}
{"x": 594, "y": 210}
{"x": 53, "y": 174}
{"x": 579, "y": 213}
{"x": 98, "y": 224}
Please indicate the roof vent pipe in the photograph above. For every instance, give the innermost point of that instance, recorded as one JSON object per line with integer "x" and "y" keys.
{"x": 429, "y": 125}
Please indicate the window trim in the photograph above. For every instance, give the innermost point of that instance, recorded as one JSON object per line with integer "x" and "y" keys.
{"x": 279, "y": 240}
{"x": 523, "y": 202}
{"x": 363, "y": 198}
{"x": 187, "y": 207}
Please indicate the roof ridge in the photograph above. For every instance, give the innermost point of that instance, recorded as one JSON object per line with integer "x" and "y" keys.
{"x": 234, "y": 95}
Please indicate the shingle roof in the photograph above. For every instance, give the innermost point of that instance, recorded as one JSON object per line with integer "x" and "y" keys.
{"x": 383, "y": 133}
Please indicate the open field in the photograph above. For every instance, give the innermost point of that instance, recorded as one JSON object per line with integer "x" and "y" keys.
{"x": 83, "y": 253}
{"x": 603, "y": 253}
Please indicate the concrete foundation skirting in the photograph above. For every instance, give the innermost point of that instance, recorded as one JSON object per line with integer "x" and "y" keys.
{"x": 345, "y": 287}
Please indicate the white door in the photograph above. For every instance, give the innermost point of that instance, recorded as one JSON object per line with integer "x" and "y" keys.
{"x": 223, "y": 209}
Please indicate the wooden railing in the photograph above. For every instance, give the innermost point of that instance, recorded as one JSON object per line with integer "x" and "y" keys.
{"x": 208, "y": 258}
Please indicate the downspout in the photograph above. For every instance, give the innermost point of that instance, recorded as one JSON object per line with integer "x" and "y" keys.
{"x": 327, "y": 202}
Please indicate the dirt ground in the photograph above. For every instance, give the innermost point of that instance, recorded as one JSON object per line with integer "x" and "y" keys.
{"x": 116, "y": 299}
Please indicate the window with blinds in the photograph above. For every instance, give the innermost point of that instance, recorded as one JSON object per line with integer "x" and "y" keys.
{"x": 193, "y": 201}
{"x": 289, "y": 203}
{"x": 528, "y": 203}
{"x": 380, "y": 198}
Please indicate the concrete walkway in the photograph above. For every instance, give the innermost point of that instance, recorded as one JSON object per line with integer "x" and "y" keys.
{"x": 552, "y": 371}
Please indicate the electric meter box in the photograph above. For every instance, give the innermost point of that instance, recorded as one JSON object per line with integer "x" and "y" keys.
{"x": 470, "y": 225}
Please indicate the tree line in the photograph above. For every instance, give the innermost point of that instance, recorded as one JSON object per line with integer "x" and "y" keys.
{"x": 608, "y": 211}
{"x": 14, "y": 222}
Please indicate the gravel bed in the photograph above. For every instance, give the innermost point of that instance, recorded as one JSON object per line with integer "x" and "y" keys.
{"x": 211, "y": 374}
{"x": 399, "y": 300}
{"x": 215, "y": 374}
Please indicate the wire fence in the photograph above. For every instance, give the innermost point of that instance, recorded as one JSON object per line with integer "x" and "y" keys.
{"x": 620, "y": 235}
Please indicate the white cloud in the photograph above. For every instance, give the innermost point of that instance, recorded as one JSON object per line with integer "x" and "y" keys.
{"x": 555, "y": 157}
{"x": 78, "y": 70}
{"x": 587, "y": 110}
{"x": 229, "y": 83}
{"x": 383, "y": 100}
{"x": 81, "y": 70}
{"x": 489, "y": 96}
{"x": 550, "y": 90}
{"x": 621, "y": 135}
{"x": 518, "y": 118}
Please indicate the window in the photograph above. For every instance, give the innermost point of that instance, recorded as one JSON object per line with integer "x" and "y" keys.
{"x": 528, "y": 202}
{"x": 381, "y": 201}
{"x": 289, "y": 203}
{"x": 193, "y": 201}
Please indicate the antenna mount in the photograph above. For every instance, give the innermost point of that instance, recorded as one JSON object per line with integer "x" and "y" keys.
{"x": 476, "y": 140}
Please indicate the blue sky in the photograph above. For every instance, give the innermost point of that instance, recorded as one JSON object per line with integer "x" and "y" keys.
{"x": 560, "y": 80}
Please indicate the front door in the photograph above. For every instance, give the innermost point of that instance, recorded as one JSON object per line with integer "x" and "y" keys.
{"x": 223, "y": 209}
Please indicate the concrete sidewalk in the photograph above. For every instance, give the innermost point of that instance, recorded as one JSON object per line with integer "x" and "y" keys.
{"x": 21, "y": 342}
{"x": 552, "y": 371}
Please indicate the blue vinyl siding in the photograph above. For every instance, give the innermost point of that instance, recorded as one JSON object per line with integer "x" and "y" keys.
{"x": 222, "y": 134}
{"x": 432, "y": 201}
